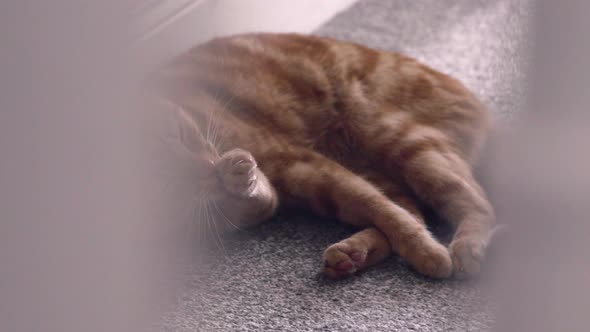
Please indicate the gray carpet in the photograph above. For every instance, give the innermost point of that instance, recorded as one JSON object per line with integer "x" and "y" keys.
{"x": 268, "y": 279}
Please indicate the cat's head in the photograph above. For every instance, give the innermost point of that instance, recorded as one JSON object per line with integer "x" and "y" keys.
{"x": 203, "y": 177}
{"x": 196, "y": 154}
{"x": 199, "y": 147}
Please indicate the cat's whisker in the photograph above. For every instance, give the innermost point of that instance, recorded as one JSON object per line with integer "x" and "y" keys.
{"x": 219, "y": 139}
{"x": 216, "y": 139}
{"x": 228, "y": 102}
{"x": 228, "y": 221}
{"x": 217, "y": 233}
{"x": 206, "y": 226}
{"x": 209, "y": 124}
{"x": 199, "y": 222}
{"x": 217, "y": 236}
{"x": 216, "y": 96}
{"x": 212, "y": 138}
{"x": 215, "y": 133}
{"x": 205, "y": 222}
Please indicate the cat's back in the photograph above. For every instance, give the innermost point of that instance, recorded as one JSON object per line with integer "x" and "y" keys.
{"x": 301, "y": 86}
{"x": 288, "y": 84}
{"x": 295, "y": 83}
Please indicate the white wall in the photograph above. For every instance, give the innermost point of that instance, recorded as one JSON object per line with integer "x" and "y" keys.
{"x": 274, "y": 15}
{"x": 175, "y": 28}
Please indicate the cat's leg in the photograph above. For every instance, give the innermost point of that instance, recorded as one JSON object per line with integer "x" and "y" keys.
{"x": 249, "y": 198}
{"x": 445, "y": 181}
{"x": 329, "y": 189}
{"x": 440, "y": 177}
{"x": 369, "y": 246}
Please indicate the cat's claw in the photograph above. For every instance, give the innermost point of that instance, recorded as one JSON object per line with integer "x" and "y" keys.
{"x": 236, "y": 169}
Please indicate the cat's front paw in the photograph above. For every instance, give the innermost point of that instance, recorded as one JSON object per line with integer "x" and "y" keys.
{"x": 344, "y": 258}
{"x": 467, "y": 254}
{"x": 237, "y": 171}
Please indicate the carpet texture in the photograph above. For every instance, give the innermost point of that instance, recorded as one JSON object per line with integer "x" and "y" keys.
{"x": 268, "y": 279}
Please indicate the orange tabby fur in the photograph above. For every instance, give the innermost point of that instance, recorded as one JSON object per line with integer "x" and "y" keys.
{"x": 348, "y": 132}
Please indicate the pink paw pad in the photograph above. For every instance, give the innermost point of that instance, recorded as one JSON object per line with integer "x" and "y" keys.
{"x": 345, "y": 266}
{"x": 341, "y": 261}
{"x": 357, "y": 257}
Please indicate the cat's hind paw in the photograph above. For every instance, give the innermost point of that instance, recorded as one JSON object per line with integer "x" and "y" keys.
{"x": 430, "y": 258}
{"x": 343, "y": 259}
{"x": 468, "y": 255}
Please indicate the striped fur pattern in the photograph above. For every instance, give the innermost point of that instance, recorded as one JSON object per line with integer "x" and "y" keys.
{"x": 364, "y": 136}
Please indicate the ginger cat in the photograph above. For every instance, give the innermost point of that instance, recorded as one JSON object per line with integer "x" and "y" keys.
{"x": 348, "y": 132}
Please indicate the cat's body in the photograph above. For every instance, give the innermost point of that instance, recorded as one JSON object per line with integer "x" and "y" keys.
{"x": 360, "y": 135}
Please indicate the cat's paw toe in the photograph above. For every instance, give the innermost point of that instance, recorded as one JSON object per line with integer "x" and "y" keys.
{"x": 343, "y": 259}
{"x": 236, "y": 169}
{"x": 467, "y": 255}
